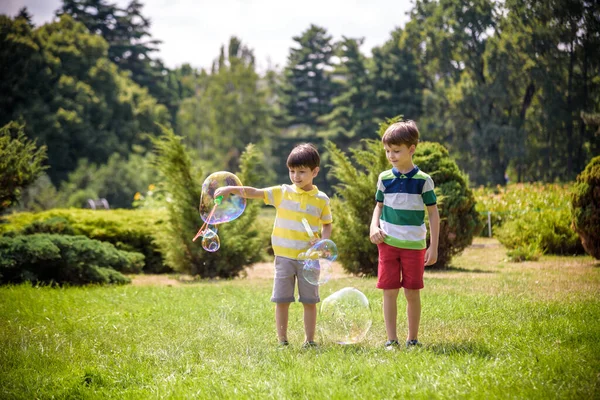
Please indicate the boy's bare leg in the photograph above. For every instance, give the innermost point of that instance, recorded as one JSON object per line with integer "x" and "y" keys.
{"x": 390, "y": 312}
{"x": 281, "y": 320}
{"x": 413, "y": 312}
{"x": 310, "y": 321}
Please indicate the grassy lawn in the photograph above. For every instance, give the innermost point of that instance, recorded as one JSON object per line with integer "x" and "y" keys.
{"x": 491, "y": 329}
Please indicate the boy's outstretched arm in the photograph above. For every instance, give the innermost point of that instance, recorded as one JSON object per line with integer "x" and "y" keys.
{"x": 247, "y": 192}
{"x": 376, "y": 234}
{"x": 431, "y": 254}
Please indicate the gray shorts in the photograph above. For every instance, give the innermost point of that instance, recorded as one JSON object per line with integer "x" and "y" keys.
{"x": 286, "y": 273}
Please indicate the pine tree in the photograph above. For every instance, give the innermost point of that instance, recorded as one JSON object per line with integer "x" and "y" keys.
{"x": 308, "y": 89}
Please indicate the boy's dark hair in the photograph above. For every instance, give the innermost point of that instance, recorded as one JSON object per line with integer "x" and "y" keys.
{"x": 304, "y": 155}
{"x": 403, "y": 132}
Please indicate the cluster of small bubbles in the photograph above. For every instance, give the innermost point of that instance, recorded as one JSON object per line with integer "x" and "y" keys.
{"x": 345, "y": 316}
{"x": 318, "y": 262}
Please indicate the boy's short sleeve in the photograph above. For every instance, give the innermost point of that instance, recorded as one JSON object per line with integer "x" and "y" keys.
{"x": 428, "y": 194}
{"x": 326, "y": 216}
{"x": 273, "y": 196}
{"x": 380, "y": 190}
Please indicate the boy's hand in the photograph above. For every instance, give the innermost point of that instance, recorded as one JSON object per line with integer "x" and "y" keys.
{"x": 222, "y": 191}
{"x": 377, "y": 235}
{"x": 431, "y": 256}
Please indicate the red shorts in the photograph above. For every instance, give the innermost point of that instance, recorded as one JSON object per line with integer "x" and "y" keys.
{"x": 400, "y": 268}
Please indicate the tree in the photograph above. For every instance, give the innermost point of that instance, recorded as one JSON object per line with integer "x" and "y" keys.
{"x": 20, "y": 163}
{"x": 308, "y": 89}
{"x": 72, "y": 98}
{"x": 130, "y": 44}
{"x": 229, "y": 111}
{"x": 352, "y": 116}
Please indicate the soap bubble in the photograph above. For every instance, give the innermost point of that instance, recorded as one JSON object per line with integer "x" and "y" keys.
{"x": 345, "y": 316}
{"x": 318, "y": 261}
{"x": 228, "y": 209}
{"x": 210, "y": 241}
{"x": 324, "y": 249}
{"x": 317, "y": 272}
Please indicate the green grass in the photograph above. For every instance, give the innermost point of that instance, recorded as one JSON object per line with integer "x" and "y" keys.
{"x": 491, "y": 330}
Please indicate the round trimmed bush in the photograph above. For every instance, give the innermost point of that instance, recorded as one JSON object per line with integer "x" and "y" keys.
{"x": 586, "y": 207}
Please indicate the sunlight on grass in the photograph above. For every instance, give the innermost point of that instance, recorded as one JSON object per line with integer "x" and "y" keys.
{"x": 490, "y": 328}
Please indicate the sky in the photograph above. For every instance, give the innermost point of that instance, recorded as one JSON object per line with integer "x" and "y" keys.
{"x": 193, "y": 31}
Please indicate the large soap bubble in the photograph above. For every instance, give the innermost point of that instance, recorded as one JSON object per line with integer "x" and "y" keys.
{"x": 345, "y": 316}
{"x": 318, "y": 261}
{"x": 228, "y": 209}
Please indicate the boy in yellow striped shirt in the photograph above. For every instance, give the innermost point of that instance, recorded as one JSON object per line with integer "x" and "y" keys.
{"x": 301, "y": 200}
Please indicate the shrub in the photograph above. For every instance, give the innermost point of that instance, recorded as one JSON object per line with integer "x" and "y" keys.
{"x": 128, "y": 230}
{"x": 76, "y": 260}
{"x": 20, "y": 163}
{"x": 547, "y": 231}
{"x": 241, "y": 242}
{"x": 507, "y": 203}
{"x": 356, "y": 198}
{"x": 586, "y": 207}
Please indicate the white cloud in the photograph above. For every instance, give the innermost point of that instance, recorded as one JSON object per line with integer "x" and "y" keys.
{"x": 193, "y": 31}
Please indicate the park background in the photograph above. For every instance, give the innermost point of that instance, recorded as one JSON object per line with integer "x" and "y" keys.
{"x": 105, "y": 148}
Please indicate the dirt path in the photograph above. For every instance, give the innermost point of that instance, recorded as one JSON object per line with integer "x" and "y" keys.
{"x": 265, "y": 270}
{"x": 256, "y": 271}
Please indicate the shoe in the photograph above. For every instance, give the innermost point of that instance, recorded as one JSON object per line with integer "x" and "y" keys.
{"x": 412, "y": 343}
{"x": 390, "y": 344}
{"x": 284, "y": 343}
{"x": 309, "y": 344}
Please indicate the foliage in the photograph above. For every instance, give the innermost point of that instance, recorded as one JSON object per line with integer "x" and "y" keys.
{"x": 545, "y": 231}
{"x": 127, "y": 230}
{"x": 81, "y": 105}
{"x": 586, "y": 207}
{"x": 240, "y": 243}
{"x": 351, "y": 118}
{"x": 74, "y": 260}
{"x": 130, "y": 44}
{"x": 530, "y": 216}
{"x": 20, "y": 163}
{"x": 308, "y": 88}
{"x": 354, "y": 209}
{"x": 228, "y": 111}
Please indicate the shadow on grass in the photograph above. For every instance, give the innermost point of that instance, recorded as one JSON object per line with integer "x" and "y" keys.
{"x": 458, "y": 269}
{"x": 450, "y": 349}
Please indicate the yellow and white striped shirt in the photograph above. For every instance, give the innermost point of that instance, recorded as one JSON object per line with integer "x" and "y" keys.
{"x": 289, "y": 238}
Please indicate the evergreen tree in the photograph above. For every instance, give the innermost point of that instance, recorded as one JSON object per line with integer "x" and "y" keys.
{"x": 307, "y": 90}
{"x": 352, "y": 116}
{"x": 20, "y": 163}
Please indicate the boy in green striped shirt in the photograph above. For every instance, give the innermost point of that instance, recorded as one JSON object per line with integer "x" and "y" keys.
{"x": 398, "y": 228}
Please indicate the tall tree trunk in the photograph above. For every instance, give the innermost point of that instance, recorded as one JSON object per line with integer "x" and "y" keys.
{"x": 570, "y": 111}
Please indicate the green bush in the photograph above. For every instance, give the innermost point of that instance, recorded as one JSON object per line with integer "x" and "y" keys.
{"x": 586, "y": 207}
{"x": 128, "y": 230}
{"x": 507, "y": 203}
{"x": 353, "y": 208}
{"x": 75, "y": 260}
{"x": 547, "y": 231}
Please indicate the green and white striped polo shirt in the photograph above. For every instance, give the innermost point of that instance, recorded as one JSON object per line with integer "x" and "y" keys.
{"x": 404, "y": 197}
